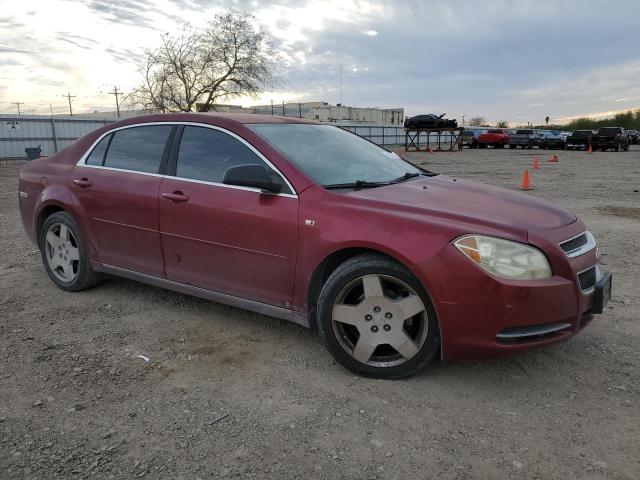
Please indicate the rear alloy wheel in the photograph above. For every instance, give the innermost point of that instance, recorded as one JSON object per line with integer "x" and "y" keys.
{"x": 63, "y": 253}
{"x": 376, "y": 319}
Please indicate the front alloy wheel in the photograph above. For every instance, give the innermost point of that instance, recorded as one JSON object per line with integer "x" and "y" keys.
{"x": 379, "y": 321}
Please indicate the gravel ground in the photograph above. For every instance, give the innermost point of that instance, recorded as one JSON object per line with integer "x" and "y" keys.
{"x": 228, "y": 393}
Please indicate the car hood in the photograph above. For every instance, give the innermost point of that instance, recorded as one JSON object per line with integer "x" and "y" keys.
{"x": 469, "y": 202}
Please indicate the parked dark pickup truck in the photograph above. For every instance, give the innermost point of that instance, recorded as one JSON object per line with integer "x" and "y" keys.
{"x": 579, "y": 140}
{"x": 614, "y": 138}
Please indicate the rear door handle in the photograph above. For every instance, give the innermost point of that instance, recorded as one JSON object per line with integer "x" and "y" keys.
{"x": 82, "y": 183}
{"x": 176, "y": 197}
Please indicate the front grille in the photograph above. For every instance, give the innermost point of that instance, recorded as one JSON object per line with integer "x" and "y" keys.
{"x": 575, "y": 243}
{"x": 587, "y": 279}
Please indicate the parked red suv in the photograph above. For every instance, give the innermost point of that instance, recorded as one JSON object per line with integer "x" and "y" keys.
{"x": 495, "y": 137}
{"x": 391, "y": 264}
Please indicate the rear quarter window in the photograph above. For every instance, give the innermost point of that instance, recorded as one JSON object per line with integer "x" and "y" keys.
{"x": 96, "y": 157}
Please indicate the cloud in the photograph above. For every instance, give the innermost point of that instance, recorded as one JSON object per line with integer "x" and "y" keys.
{"x": 132, "y": 12}
{"x": 499, "y": 59}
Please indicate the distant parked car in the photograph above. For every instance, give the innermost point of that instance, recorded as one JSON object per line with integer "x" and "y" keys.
{"x": 495, "y": 137}
{"x": 633, "y": 137}
{"x": 525, "y": 138}
{"x": 470, "y": 139}
{"x": 430, "y": 121}
{"x": 553, "y": 139}
{"x": 614, "y": 138}
{"x": 579, "y": 140}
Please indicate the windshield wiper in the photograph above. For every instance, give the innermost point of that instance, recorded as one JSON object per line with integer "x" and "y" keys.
{"x": 405, "y": 177}
{"x": 356, "y": 184}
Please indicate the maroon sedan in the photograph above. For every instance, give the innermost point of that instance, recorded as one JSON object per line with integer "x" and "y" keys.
{"x": 390, "y": 264}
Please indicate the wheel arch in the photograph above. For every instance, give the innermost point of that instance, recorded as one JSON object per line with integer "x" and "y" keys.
{"x": 44, "y": 212}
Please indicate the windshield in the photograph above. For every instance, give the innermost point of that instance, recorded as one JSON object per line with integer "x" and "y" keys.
{"x": 331, "y": 155}
{"x": 494, "y": 130}
{"x": 524, "y": 132}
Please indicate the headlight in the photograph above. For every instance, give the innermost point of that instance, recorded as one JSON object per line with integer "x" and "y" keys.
{"x": 504, "y": 258}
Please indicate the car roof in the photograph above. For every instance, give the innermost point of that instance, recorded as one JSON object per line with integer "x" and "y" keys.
{"x": 214, "y": 118}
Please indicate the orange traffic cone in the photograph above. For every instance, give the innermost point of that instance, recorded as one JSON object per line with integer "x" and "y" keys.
{"x": 524, "y": 184}
{"x": 590, "y": 149}
{"x": 536, "y": 164}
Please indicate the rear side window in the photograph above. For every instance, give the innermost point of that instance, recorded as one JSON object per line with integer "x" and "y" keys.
{"x": 96, "y": 157}
{"x": 138, "y": 148}
{"x": 206, "y": 154}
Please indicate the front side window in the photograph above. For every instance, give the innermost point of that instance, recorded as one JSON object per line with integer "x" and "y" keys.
{"x": 206, "y": 154}
{"x": 138, "y": 148}
{"x": 96, "y": 157}
{"x": 331, "y": 155}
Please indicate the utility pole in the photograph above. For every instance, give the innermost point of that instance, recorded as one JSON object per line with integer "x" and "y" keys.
{"x": 68, "y": 96}
{"x": 116, "y": 93}
{"x": 299, "y": 110}
{"x": 271, "y": 106}
{"x": 284, "y": 113}
{"x": 463, "y": 120}
{"x": 340, "y": 84}
{"x": 18, "y": 105}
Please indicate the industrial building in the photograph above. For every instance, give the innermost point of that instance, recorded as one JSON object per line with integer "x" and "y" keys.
{"x": 322, "y": 112}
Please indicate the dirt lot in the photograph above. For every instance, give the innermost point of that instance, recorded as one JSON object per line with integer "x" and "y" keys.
{"x": 76, "y": 402}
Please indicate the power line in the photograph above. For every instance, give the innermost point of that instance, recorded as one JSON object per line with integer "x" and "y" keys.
{"x": 18, "y": 105}
{"x": 68, "y": 96}
{"x": 116, "y": 93}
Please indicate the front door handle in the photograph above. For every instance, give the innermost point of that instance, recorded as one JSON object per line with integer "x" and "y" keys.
{"x": 176, "y": 197}
{"x": 82, "y": 183}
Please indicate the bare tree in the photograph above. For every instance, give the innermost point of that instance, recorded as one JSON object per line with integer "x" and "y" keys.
{"x": 502, "y": 124}
{"x": 231, "y": 56}
{"x": 477, "y": 121}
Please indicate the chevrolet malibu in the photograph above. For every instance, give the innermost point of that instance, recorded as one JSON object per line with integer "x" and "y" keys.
{"x": 390, "y": 264}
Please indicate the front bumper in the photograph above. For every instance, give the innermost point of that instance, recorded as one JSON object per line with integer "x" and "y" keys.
{"x": 482, "y": 316}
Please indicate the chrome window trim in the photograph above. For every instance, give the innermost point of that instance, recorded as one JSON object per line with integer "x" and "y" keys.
{"x": 587, "y": 247}
{"x": 83, "y": 159}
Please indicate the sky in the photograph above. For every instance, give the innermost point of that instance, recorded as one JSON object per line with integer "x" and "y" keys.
{"x": 514, "y": 60}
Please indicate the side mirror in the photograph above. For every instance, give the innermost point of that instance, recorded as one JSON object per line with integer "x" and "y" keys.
{"x": 254, "y": 176}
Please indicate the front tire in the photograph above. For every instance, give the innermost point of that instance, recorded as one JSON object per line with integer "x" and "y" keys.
{"x": 376, "y": 318}
{"x": 64, "y": 253}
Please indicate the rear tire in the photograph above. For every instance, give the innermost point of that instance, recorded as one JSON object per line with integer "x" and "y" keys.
{"x": 369, "y": 306}
{"x": 64, "y": 253}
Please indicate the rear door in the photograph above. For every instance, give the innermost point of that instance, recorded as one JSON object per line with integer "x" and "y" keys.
{"x": 228, "y": 239}
{"x": 117, "y": 189}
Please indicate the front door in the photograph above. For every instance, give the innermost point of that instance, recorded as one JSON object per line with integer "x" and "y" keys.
{"x": 232, "y": 240}
{"x": 117, "y": 188}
